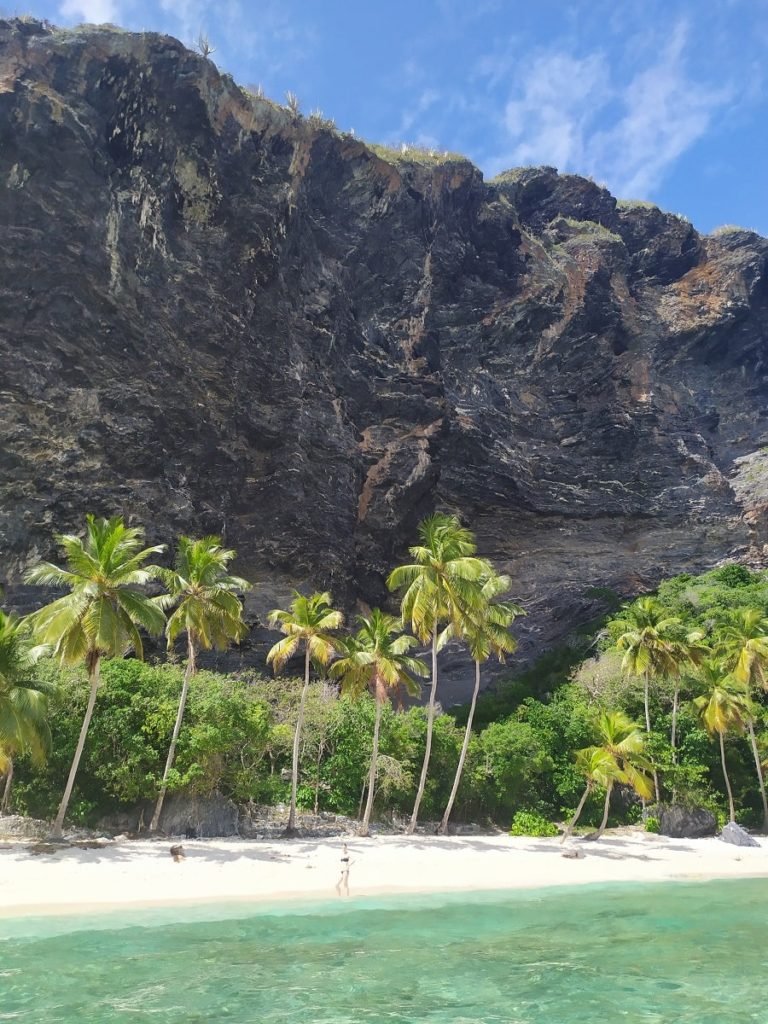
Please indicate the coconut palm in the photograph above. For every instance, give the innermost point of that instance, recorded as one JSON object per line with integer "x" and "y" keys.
{"x": 103, "y": 612}
{"x": 207, "y": 609}
{"x": 439, "y": 587}
{"x": 743, "y": 644}
{"x": 309, "y": 623}
{"x": 723, "y": 707}
{"x": 650, "y": 639}
{"x": 23, "y": 701}
{"x": 486, "y": 632}
{"x": 376, "y": 659}
{"x": 619, "y": 756}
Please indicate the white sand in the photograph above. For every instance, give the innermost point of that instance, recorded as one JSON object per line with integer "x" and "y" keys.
{"x": 132, "y": 873}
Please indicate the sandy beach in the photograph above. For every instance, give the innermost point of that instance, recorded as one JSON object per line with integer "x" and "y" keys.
{"x": 125, "y": 873}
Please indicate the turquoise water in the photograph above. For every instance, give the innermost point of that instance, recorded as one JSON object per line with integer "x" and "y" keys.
{"x": 664, "y": 953}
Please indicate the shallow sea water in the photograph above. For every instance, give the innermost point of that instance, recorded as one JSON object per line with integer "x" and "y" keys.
{"x": 677, "y": 952}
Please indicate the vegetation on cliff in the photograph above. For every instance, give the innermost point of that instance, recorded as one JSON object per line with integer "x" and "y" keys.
{"x": 690, "y": 663}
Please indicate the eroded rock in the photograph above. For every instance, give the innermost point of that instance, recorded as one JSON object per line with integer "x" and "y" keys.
{"x": 218, "y": 317}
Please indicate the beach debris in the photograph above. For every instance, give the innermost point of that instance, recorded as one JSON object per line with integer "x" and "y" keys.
{"x": 737, "y": 836}
{"x": 573, "y": 853}
{"x": 177, "y": 852}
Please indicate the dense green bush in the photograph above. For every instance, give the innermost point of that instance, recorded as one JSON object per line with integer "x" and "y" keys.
{"x": 528, "y": 823}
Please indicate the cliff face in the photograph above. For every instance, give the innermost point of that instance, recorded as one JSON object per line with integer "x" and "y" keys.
{"x": 217, "y": 317}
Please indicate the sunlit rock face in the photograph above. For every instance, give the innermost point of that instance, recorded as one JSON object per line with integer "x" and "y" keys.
{"x": 218, "y": 317}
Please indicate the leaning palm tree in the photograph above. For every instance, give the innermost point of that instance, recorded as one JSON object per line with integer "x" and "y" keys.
{"x": 23, "y": 702}
{"x": 309, "y": 623}
{"x": 486, "y": 632}
{"x": 439, "y": 587}
{"x": 743, "y": 644}
{"x": 618, "y": 757}
{"x": 723, "y": 707}
{"x": 208, "y": 610}
{"x": 376, "y": 659}
{"x": 102, "y": 613}
{"x": 649, "y": 638}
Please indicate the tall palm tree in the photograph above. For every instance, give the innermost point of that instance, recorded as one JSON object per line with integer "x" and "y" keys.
{"x": 723, "y": 707}
{"x": 618, "y": 756}
{"x": 486, "y": 632}
{"x": 102, "y": 613}
{"x": 23, "y": 701}
{"x": 649, "y": 638}
{"x": 208, "y": 610}
{"x": 743, "y": 643}
{"x": 309, "y": 623}
{"x": 376, "y": 659}
{"x": 439, "y": 587}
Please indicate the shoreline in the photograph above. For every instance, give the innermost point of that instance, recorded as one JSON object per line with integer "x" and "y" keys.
{"x": 136, "y": 875}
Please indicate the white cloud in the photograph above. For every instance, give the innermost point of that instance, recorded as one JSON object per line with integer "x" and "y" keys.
{"x": 549, "y": 123}
{"x": 664, "y": 114}
{"x": 625, "y": 127}
{"x": 96, "y": 12}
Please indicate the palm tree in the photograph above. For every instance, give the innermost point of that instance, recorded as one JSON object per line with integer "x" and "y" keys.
{"x": 208, "y": 610}
{"x": 486, "y": 631}
{"x": 102, "y": 613}
{"x": 723, "y": 707}
{"x": 650, "y": 642}
{"x": 619, "y": 756}
{"x": 743, "y": 643}
{"x": 440, "y": 586}
{"x": 23, "y": 701}
{"x": 376, "y": 659}
{"x": 309, "y": 622}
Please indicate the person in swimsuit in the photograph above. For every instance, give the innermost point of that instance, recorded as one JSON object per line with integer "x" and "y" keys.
{"x": 343, "y": 882}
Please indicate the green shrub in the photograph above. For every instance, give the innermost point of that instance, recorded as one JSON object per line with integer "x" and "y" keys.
{"x": 528, "y": 823}
{"x": 653, "y": 825}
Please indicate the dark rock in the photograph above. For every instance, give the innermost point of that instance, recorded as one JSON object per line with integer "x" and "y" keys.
{"x": 682, "y": 822}
{"x": 182, "y": 815}
{"x": 218, "y": 317}
{"x": 737, "y": 836}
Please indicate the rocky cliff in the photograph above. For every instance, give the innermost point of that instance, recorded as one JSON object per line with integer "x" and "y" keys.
{"x": 218, "y": 316}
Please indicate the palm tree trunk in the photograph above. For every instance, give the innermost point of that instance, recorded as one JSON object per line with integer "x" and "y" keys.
{"x": 6, "y": 804}
{"x": 673, "y": 733}
{"x": 430, "y": 723}
{"x": 727, "y": 780}
{"x": 290, "y": 828}
{"x": 188, "y": 673}
{"x": 364, "y": 828}
{"x": 759, "y": 767}
{"x": 569, "y": 827}
{"x": 647, "y": 708}
{"x": 94, "y": 679}
{"x": 463, "y": 755}
{"x": 606, "y": 808}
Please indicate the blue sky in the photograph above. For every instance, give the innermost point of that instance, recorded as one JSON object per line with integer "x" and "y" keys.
{"x": 664, "y": 100}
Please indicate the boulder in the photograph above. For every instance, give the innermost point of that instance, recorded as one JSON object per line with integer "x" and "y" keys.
{"x": 737, "y": 836}
{"x": 681, "y": 822}
{"x": 194, "y": 817}
{"x": 198, "y": 817}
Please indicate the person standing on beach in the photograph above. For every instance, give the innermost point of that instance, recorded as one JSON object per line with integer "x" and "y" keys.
{"x": 343, "y": 882}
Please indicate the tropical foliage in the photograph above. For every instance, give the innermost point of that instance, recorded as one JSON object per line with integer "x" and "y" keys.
{"x": 558, "y": 742}
{"x": 309, "y": 623}
{"x": 103, "y": 612}
{"x": 207, "y": 608}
